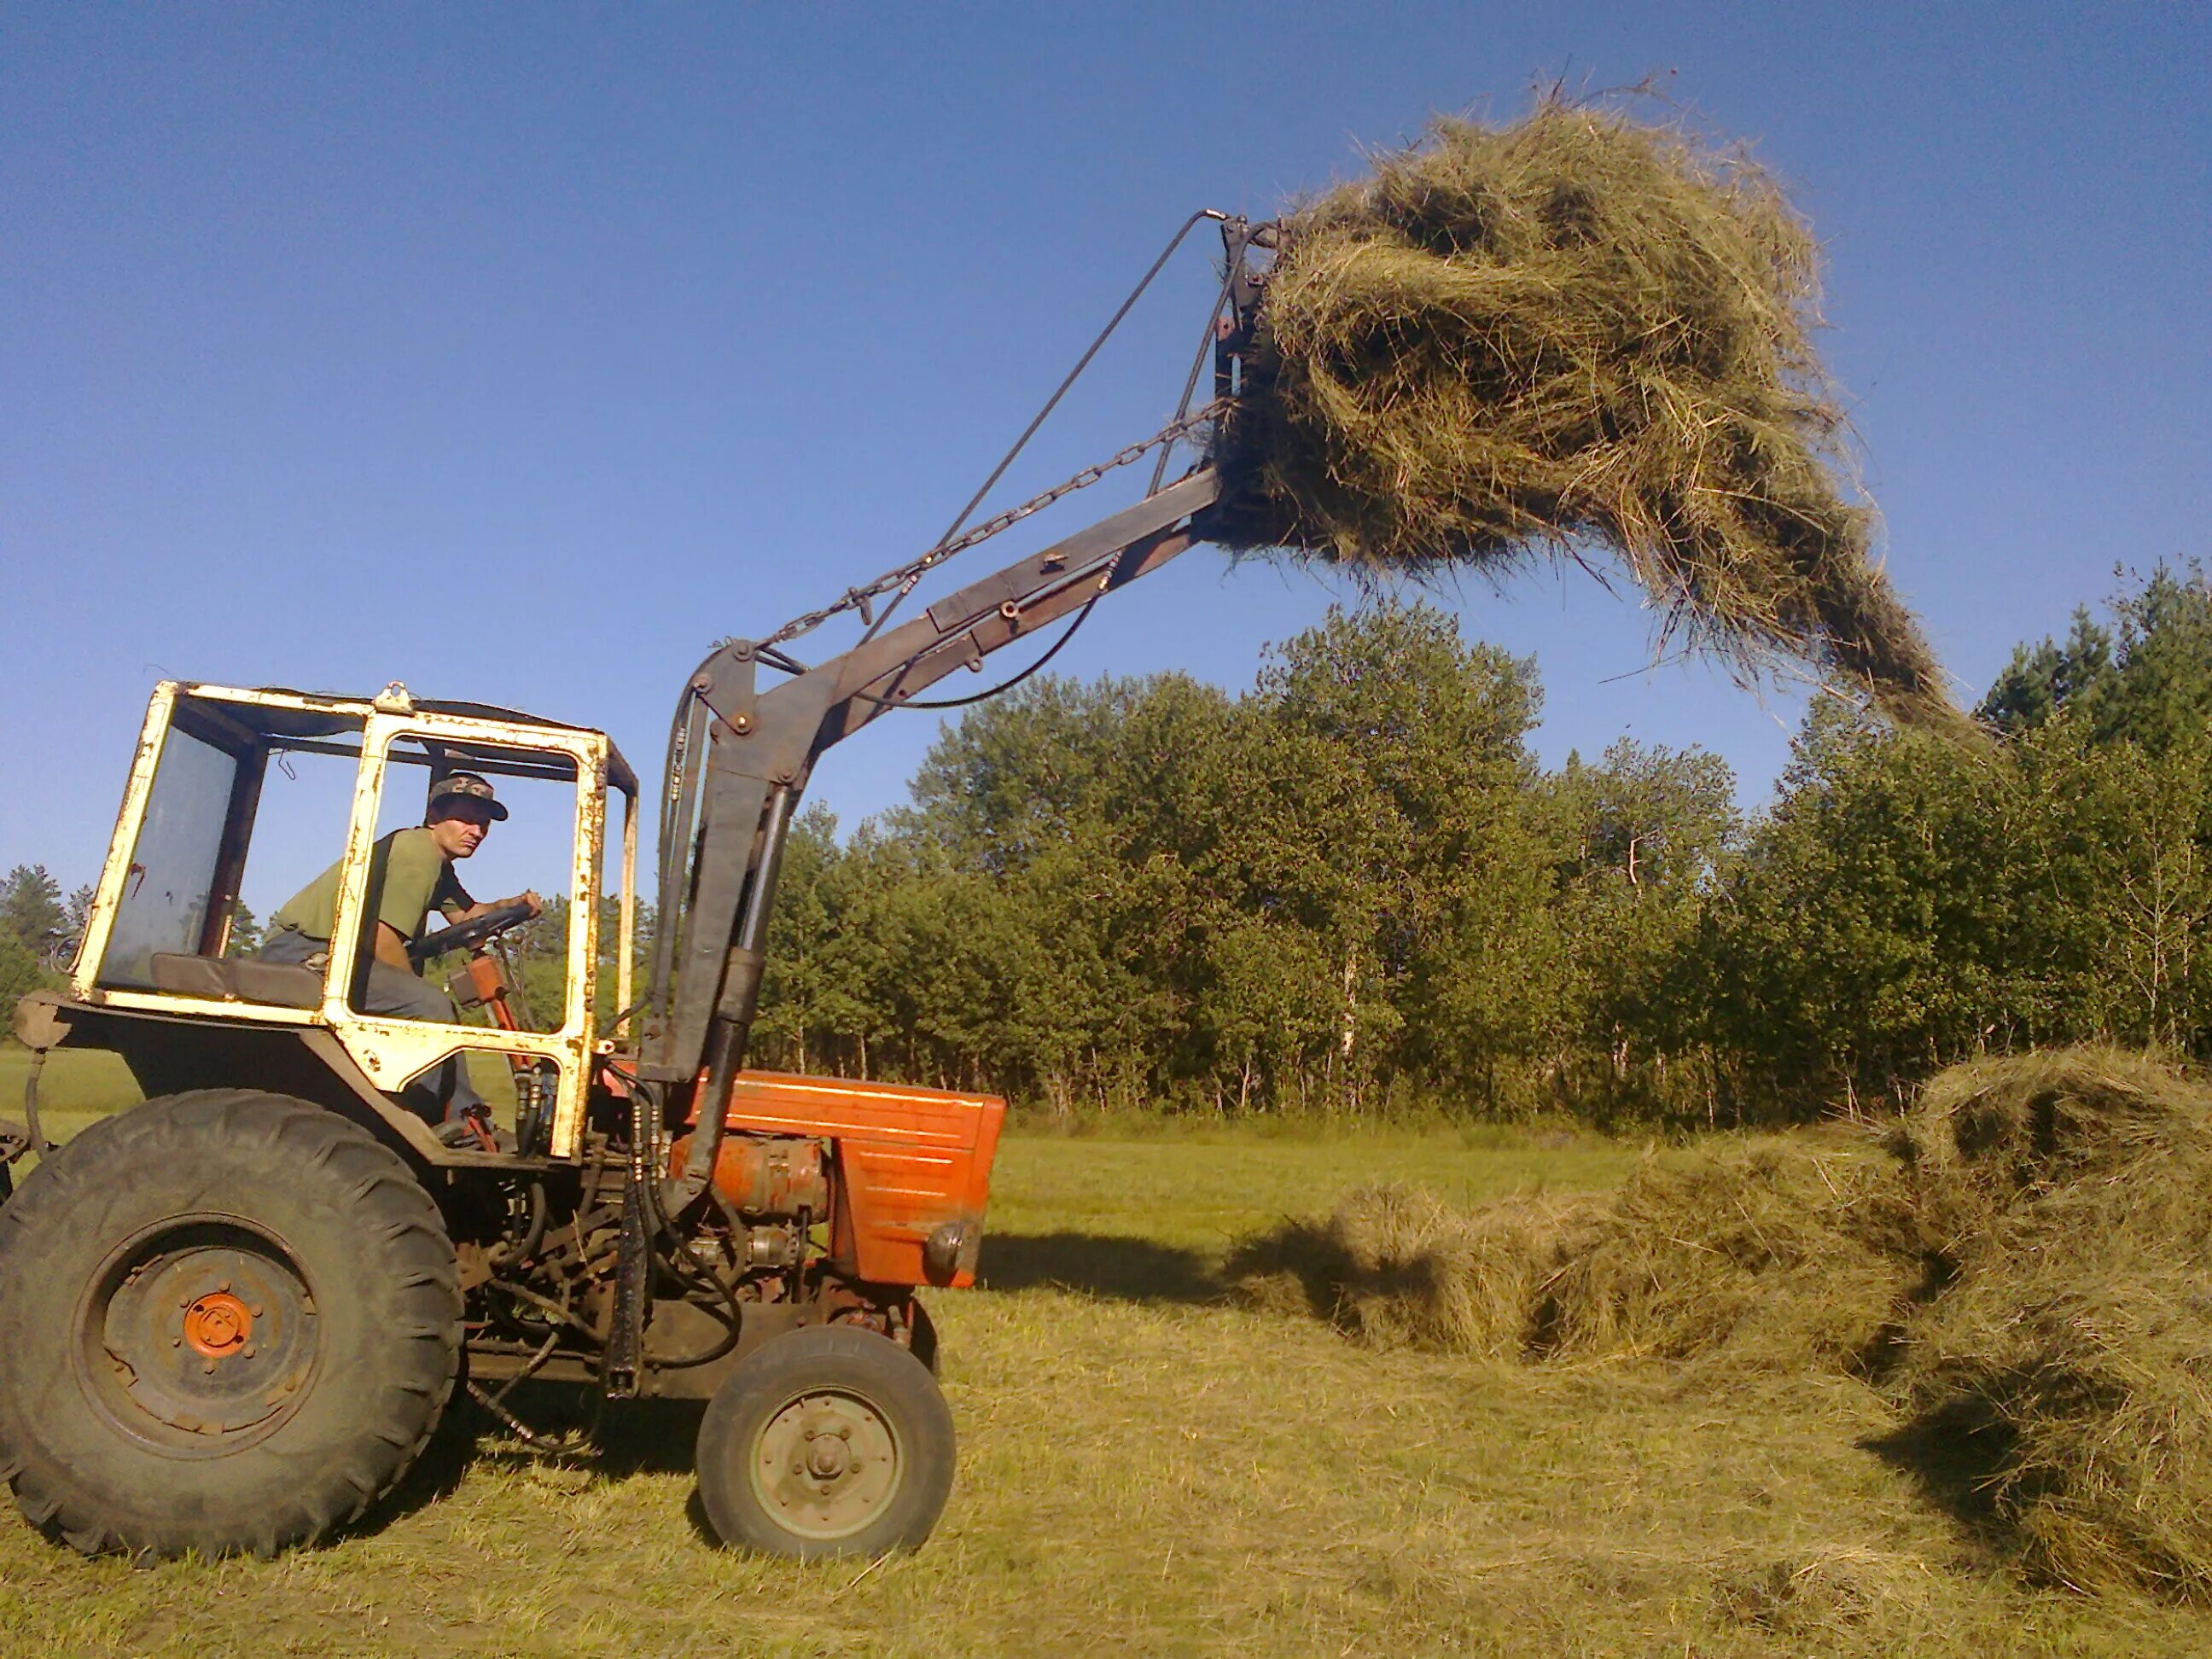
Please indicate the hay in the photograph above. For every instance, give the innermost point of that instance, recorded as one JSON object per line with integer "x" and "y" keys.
{"x": 1392, "y": 1267}
{"x": 1989, "y": 1136}
{"x": 1575, "y": 330}
{"x": 2085, "y": 1398}
{"x": 1812, "y": 1597}
{"x": 2026, "y": 1272}
{"x": 1774, "y": 1259}
{"x": 2073, "y": 1355}
{"x": 1769, "y": 1259}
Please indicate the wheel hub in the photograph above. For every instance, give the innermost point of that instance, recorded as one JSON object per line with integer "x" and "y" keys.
{"x": 217, "y": 1325}
{"x": 827, "y": 1458}
{"x": 200, "y": 1338}
{"x": 827, "y": 1464}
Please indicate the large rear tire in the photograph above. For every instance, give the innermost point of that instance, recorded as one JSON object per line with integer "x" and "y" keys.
{"x": 830, "y": 1440}
{"x": 232, "y": 1321}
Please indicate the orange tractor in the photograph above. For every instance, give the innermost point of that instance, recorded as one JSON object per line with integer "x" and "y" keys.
{"x": 235, "y": 1313}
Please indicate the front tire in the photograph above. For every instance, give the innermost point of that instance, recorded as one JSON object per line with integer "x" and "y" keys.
{"x": 830, "y": 1441}
{"x": 232, "y": 1321}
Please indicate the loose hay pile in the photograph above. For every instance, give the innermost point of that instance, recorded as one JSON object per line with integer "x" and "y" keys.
{"x": 2027, "y": 1272}
{"x": 1578, "y": 329}
{"x": 1774, "y": 1259}
{"x": 1395, "y": 1266}
{"x": 2072, "y": 1193}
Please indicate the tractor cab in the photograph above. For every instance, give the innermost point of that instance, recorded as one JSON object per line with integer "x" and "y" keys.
{"x": 162, "y": 950}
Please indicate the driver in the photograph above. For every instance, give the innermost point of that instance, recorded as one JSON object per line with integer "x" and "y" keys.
{"x": 411, "y": 873}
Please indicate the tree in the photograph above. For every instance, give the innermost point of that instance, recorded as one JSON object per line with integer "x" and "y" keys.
{"x": 77, "y": 912}
{"x": 245, "y": 931}
{"x": 2146, "y": 680}
{"x": 18, "y": 973}
{"x": 31, "y": 910}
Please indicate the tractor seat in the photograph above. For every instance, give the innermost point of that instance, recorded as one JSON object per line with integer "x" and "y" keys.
{"x": 229, "y": 980}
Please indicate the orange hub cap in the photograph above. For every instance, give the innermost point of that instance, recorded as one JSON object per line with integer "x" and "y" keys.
{"x": 218, "y": 1324}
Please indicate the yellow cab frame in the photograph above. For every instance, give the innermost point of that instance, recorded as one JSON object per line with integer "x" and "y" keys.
{"x": 169, "y": 887}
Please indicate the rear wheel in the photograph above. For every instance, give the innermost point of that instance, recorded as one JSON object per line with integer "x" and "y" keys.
{"x": 830, "y": 1441}
{"x": 233, "y": 1320}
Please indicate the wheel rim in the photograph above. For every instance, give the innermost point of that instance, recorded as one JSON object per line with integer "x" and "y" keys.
{"x": 826, "y": 1463}
{"x": 199, "y": 1335}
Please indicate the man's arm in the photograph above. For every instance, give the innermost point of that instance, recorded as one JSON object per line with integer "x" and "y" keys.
{"x": 536, "y": 907}
{"x": 390, "y": 949}
{"x": 456, "y": 905}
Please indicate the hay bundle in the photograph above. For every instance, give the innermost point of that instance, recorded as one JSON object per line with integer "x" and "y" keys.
{"x": 1392, "y": 1267}
{"x": 2082, "y": 1387}
{"x": 1575, "y": 330}
{"x": 1776, "y": 1259}
{"x": 1773, "y": 1258}
{"x": 1989, "y": 1136}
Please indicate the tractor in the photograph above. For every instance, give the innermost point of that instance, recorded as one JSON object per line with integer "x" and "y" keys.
{"x": 236, "y": 1312}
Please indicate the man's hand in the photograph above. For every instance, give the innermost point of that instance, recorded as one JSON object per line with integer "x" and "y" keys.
{"x": 536, "y": 907}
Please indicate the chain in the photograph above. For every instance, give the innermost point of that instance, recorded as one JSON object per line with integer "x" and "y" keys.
{"x": 906, "y": 575}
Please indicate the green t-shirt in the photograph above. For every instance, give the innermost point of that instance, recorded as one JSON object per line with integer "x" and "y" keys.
{"x": 407, "y": 876}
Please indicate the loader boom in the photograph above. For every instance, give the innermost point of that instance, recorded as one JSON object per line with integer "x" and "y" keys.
{"x": 741, "y": 758}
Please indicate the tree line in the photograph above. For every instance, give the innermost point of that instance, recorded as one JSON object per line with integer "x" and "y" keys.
{"x": 1352, "y": 889}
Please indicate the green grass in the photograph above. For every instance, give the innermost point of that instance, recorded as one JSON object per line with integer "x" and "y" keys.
{"x": 75, "y": 1088}
{"x": 1146, "y": 1469}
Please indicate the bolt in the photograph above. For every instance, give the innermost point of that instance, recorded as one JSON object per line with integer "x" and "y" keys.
{"x": 254, "y": 1308}
{"x": 223, "y": 1289}
{"x": 247, "y": 1353}
{"x": 207, "y": 1367}
{"x": 176, "y": 1341}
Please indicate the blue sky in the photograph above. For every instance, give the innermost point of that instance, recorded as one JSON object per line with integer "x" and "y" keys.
{"x": 520, "y": 353}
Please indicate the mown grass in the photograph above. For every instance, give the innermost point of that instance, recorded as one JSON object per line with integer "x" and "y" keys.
{"x": 1146, "y": 1469}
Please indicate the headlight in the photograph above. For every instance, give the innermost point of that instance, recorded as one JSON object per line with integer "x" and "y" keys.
{"x": 941, "y": 1255}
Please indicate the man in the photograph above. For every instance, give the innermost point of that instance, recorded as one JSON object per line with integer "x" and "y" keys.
{"x": 410, "y": 873}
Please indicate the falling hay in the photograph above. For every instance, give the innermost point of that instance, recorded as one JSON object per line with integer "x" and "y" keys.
{"x": 2023, "y": 1272}
{"x": 1576, "y": 330}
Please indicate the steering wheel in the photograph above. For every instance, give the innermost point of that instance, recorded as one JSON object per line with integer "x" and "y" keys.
{"x": 464, "y": 935}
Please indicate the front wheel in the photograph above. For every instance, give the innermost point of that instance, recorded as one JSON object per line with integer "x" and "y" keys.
{"x": 830, "y": 1440}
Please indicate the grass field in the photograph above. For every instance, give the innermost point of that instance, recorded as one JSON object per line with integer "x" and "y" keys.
{"x": 1146, "y": 1469}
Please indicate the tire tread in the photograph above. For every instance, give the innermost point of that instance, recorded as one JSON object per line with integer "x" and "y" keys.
{"x": 420, "y": 1285}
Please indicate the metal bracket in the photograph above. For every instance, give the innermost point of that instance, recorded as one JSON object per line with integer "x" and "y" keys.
{"x": 618, "y": 1365}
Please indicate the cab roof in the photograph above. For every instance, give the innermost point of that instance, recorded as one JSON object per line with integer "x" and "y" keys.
{"x": 287, "y": 717}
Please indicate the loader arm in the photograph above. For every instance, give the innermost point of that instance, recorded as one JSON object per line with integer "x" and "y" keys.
{"x": 741, "y": 758}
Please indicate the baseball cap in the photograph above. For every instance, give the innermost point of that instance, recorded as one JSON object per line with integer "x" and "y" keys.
{"x": 469, "y": 787}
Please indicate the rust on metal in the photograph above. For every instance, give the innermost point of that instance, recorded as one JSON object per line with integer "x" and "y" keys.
{"x": 765, "y": 1175}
